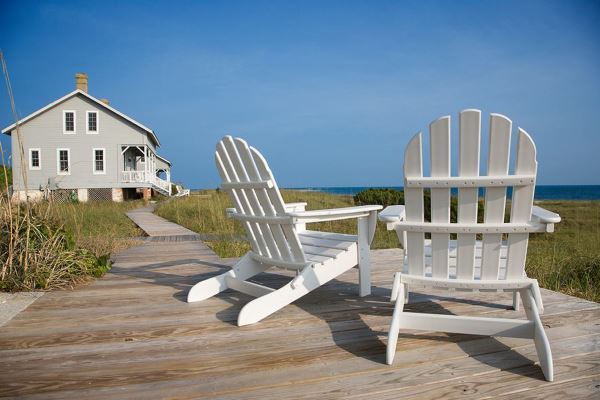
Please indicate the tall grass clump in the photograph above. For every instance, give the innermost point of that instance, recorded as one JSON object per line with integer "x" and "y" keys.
{"x": 37, "y": 253}
{"x": 5, "y": 178}
{"x": 101, "y": 227}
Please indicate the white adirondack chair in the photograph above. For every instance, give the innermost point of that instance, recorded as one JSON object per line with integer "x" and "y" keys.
{"x": 181, "y": 192}
{"x": 469, "y": 264}
{"x": 279, "y": 238}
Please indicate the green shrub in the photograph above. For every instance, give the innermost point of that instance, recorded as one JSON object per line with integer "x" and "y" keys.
{"x": 390, "y": 197}
{"x": 383, "y": 197}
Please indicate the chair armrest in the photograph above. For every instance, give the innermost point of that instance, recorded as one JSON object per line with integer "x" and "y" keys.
{"x": 291, "y": 207}
{"x": 539, "y": 214}
{"x": 392, "y": 214}
{"x": 333, "y": 214}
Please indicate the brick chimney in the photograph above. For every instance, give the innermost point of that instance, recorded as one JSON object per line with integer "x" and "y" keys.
{"x": 81, "y": 81}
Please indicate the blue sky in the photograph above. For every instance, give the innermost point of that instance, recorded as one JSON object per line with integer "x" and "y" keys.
{"x": 329, "y": 91}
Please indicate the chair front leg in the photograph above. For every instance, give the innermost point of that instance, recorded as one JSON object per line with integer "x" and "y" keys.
{"x": 540, "y": 339}
{"x": 366, "y": 232}
{"x": 395, "y": 325}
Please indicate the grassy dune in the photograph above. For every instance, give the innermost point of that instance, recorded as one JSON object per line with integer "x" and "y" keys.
{"x": 100, "y": 227}
{"x": 52, "y": 246}
{"x": 567, "y": 260}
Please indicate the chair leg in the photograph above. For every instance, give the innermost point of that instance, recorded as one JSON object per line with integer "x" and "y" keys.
{"x": 395, "y": 287}
{"x": 364, "y": 259}
{"x": 542, "y": 345}
{"x": 246, "y": 268}
{"x": 537, "y": 295}
{"x": 516, "y": 300}
{"x": 395, "y": 326}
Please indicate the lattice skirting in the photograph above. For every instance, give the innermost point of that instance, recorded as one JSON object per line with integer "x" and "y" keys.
{"x": 99, "y": 194}
{"x": 63, "y": 195}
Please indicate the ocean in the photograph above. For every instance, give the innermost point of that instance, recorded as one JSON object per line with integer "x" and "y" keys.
{"x": 542, "y": 192}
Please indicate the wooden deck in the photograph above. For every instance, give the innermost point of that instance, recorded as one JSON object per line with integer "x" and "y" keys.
{"x": 132, "y": 335}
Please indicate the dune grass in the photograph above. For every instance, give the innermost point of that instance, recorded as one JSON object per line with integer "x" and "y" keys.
{"x": 205, "y": 213}
{"x": 98, "y": 226}
{"x": 54, "y": 246}
{"x": 567, "y": 260}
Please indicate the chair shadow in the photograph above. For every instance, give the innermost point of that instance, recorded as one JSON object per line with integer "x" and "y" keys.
{"x": 348, "y": 328}
{"x": 351, "y": 333}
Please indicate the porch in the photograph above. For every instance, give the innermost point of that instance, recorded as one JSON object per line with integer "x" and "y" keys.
{"x": 141, "y": 165}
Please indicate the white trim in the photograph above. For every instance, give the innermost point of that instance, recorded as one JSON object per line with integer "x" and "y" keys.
{"x": 87, "y": 122}
{"x": 64, "y": 114}
{"x": 31, "y": 167}
{"x": 73, "y": 93}
{"x": 58, "y": 171}
{"x": 94, "y": 171}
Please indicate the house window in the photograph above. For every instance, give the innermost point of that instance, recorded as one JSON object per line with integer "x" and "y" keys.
{"x": 92, "y": 122}
{"x": 99, "y": 161}
{"x": 68, "y": 122}
{"x": 35, "y": 159}
{"x": 63, "y": 158}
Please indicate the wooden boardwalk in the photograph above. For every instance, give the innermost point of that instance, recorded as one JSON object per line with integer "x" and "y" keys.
{"x": 131, "y": 335}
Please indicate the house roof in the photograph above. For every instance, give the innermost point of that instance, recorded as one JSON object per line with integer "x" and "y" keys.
{"x": 150, "y": 132}
{"x": 164, "y": 159}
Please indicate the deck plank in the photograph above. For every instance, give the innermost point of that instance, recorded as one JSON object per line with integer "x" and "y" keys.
{"x": 132, "y": 335}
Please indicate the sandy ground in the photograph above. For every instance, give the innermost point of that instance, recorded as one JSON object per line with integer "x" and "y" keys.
{"x": 13, "y": 303}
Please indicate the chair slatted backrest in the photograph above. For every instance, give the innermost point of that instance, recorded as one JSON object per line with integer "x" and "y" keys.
{"x": 259, "y": 206}
{"x": 468, "y": 183}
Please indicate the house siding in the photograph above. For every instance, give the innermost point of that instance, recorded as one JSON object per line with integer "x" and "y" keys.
{"x": 45, "y": 132}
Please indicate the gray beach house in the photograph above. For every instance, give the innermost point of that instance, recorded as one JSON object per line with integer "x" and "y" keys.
{"x": 80, "y": 147}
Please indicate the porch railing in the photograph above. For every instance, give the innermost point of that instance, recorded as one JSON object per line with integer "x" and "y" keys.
{"x": 143, "y": 177}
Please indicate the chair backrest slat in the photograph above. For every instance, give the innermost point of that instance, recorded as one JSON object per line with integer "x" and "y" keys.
{"x": 439, "y": 134}
{"x": 413, "y": 167}
{"x": 522, "y": 202}
{"x": 495, "y": 197}
{"x": 468, "y": 165}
